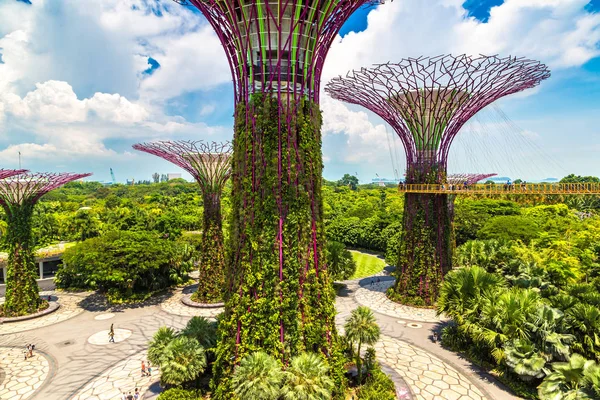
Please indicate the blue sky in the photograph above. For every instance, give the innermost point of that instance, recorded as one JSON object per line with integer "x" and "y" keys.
{"x": 79, "y": 84}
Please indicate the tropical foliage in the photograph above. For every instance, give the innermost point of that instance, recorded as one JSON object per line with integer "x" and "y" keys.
{"x": 361, "y": 328}
{"x": 125, "y": 265}
{"x": 530, "y": 308}
{"x": 260, "y": 377}
{"x": 183, "y": 356}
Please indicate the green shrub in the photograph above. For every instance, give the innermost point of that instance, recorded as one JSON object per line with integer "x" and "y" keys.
{"x": 127, "y": 266}
{"x": 378, "y": 386}
{"x": 180, "y": 394}
{"x": 510, "y": 227}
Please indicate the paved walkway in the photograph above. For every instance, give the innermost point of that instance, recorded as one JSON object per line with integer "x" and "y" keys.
{"x": 88, "y": 367}
{"x": 173, "y": 305}
{"x": 374, "y": 297}
{"x": 69, "y": 308}
{"x": 425, "y": 367}
{"x": 20, "y": 377}
{"x": 121, "y": 378}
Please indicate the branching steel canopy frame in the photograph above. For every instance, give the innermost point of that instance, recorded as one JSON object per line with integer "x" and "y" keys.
{"x": 277, "y": 45}
{"x": 427, "y": 100}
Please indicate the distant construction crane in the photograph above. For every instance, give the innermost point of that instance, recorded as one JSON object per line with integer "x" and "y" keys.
{"x": 112, "y": 174}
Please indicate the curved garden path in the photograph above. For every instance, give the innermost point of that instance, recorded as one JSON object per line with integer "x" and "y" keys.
{"x": 430, "y": 371}
{"x": 69, "y": 308}
{"x": 20, "y": 378}
{"x": 70, "y": 365}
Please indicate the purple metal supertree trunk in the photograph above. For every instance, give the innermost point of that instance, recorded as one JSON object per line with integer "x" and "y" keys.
{"x": 426, "y": 101}
{"x": 279, "y": 297}
{"x": 210, "y": 165}
{"x": 18, "y": 196}
{"x": 277, "y": 46}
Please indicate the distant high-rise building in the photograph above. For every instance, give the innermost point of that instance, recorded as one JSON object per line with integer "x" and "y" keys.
{"x": 173, "y": 176}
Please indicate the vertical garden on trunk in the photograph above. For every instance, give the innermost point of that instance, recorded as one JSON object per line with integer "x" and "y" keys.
{"x": 210, "y": 165}
{"x": 427, "y": 100}
{"x": 279, "y": 296}
{"x": 18, "y": 196}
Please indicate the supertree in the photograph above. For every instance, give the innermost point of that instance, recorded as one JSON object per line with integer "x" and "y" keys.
{"x": 279, "y": 295}
{"x": 467, "y": 179}
{"x": 18, "y": 196}
{"x": 426, "y": 101}
{"x": 209, "y": 164}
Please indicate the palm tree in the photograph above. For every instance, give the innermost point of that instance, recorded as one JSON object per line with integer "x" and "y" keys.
{"x": 159, "y": 342}
{"x": 307, "y": 379}
{"x": 569, "y": 380}
{"x": 512, "y": 312}
{"x": 463, "y": 291}
{"x": 203, "y": 330}
{"x": 258, "y": 377}
{"x": 183, "y": 360}
{"x": 361, "y": 328}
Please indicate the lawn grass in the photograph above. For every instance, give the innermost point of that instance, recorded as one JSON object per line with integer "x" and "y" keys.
{"x": 366, "y": 264}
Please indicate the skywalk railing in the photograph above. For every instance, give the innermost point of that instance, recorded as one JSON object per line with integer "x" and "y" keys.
{"x": 504, "y": 188}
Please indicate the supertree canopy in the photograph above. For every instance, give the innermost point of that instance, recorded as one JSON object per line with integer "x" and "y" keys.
{"x": 210, "y": 165}
{"x": 275, "y": 46}
{"x": 7, "y": 173}
{"x": 468, "y": 179}
{"x": 18, "y": 196}
{"x": 279, "y": 296}
{"x": 426, "y": 101}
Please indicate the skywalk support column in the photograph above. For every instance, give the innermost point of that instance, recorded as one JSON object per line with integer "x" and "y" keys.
{"x": 427, "y": 101}
{"x": 279, "y": 295}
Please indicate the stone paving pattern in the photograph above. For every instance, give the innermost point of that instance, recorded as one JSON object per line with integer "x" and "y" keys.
{"x": 173, "y": 305}
{"x": 423, "y": 373}
{"x": 69, "y": 308}
{"x": 123, "y": 377}
{"x": 373, "y": 296}
{"x": 420, "y": 369}
{"x": 428, "y": 376}
{"x": 21, "y": 377}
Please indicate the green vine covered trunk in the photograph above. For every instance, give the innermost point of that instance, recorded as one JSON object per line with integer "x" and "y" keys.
{"x": 212, "y": 256}
{"x": 425, "y": 253}
{"x": 22, "y": 292}
{"x": 279, "y": 296}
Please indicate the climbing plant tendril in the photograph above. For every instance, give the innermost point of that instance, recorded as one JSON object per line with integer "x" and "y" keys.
{"x": 210, "y": 165}
{"x": 427, "y": 100}
{"x": 18, "y": 196}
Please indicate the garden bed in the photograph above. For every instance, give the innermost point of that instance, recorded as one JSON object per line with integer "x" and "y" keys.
{"x": 186, "y": 300}
{"x": 45, "y": 309}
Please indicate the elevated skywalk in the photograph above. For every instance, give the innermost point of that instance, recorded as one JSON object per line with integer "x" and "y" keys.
{"x": 500, "y": 189}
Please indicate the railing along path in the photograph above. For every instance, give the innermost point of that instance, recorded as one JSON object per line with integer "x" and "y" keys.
{"x": 503, "y": 188}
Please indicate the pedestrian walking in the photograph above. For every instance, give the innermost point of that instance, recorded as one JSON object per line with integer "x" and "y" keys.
{"x": 435, "y": 337}
{"x": 149, "y": 368}
{"x": 136, "y": 395}
{"x": 143, "y": 369}
{"x": 111, "y": 334}
{"x": 129, "y": 396}
{"x": 31, "y": 348}
{"x": 124, "y": 397}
